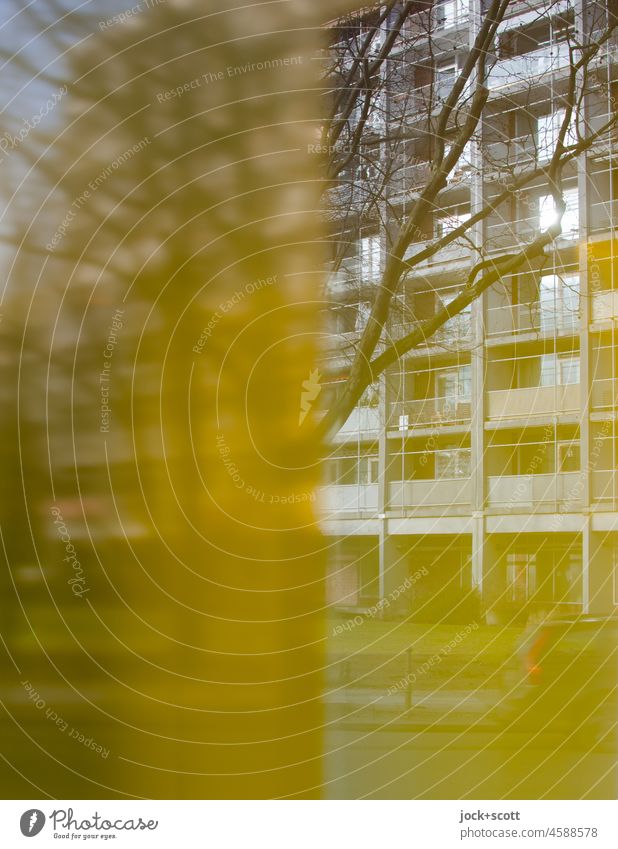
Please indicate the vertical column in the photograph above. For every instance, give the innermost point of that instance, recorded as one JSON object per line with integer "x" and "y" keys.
{"x": 488, "y": 569}
{"x": 394, "y": 570}
{"x": 478, "y": 543}
{"x": 383, "y": 448}
{"x": 588, "y": 537}
{"x": 480, "y": 552}
{"x": 597, "y": 571}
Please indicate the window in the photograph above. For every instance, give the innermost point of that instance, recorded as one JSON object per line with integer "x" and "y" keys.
{"x": 445, "y": 74}
{"x": 345, "y": 319}
{"x": 368, "y": 470}
{"x": 568, "y": 457}
{"x": 363, "y": 311}
{"x": 449, "y": 13}
{"x": 376, "y": 42}
{"x": 568, "y": 578}
{"x": 454, "y": 383}
{"x": 351, "y": 318}
{"x": 568, "y": 370}
{"x": 453, "y": 390}
{"x": 367, "y": 172}
{"x": 375, "y": 117}
{"x": 559, "y": 301}
{"x": 458, "y": 327}
{"x": 559, "y": 370}
{"x": 452, "y": 463}
{"x": 445, "y": 224}
{"x": 370, "y": 256}
{"x": 535, "y": 458}
{"x": 347, "y": 470}
{"x": 547, "y": 132}
{"x": 352, "y": 471}
{"x": 570, "y": 220}
{"x": 370, "y": 397}
{"x": 446, "y": 70}
{"x": 521, "y": 576}
{"x": 445, "y": 297}
{"x": 463, "y": 166}
{"x": 446, "y": 13}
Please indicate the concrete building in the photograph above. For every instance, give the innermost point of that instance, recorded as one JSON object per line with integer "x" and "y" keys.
{"x": 482, "y": 468}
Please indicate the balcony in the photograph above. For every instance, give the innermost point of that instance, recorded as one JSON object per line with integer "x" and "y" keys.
{"x": 440, "y": 20}
{"x": 458, "y": 249}
{"x": 604, "y": 488}
{"x": 445, "y": 410}
{"x": 354, "y": 497}
{"x": 521, "y": 12}
{"x": 362, "y": 419}
{"x": 457, "y": 330}
{"x": 509, "y": 153}
{"x": 521, "y": 69}
{"x": 512, "y": 319}
{"x": 445, "y": 492}
{"x": 604, "y": 213}
{"x": 534, "y": 401}
{"x": 529, "y": 492}
{"x": 604, "y": 394}
{"x": 409, "y": 178}
{"x": 605, "y": 306}
{"x": 417, "y": 103}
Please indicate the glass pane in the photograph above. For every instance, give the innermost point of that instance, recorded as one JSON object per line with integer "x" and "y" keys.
{"x": 568, "y": 578}
{"x": 548, "y": 128}
{"x": 569, "y": 371}
{"x": 348, "y": 470}
{"x": 570, "y": 219}
{"x": 548, "y": 370}
{"x": 569, "y": 457}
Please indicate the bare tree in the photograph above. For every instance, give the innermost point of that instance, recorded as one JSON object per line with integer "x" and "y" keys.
{"x": 400, "y": 132}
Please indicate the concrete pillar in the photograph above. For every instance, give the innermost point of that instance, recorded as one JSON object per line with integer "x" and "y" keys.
{"x": 478, "y": 553}
{"x": 597, "y": 571}
{"x": 394, "y": 570}
{"x": 488, "y": 570}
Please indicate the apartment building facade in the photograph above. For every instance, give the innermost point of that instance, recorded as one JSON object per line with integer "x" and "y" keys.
{"x": 485, "y": 461}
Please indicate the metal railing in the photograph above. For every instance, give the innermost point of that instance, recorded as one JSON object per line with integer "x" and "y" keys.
{"x": 520, "y": 69}
{"x": 441, "y": 410}
{"x": 529, "y": 318}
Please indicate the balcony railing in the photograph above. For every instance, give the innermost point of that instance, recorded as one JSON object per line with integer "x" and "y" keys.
{"x": 605, "y": 306}
{"x": 521, "y": 12}
{"x": 352, "y": 270}
{"x": 354, "y": 497}
{"x": 457, "y": 330}
{"x": 604, "y": 394}
{"x": 521, "y": 69}
{"x": 459, "y": 249}
{"x": 604, "y": 488}
{"x": 530, "y": 318}
{"x": 604, "y": 213}
{"x": 534, "y": 401}
{"x": 409, "y": 178}
{"x": 513, "y": 492}
{"x": 362, "y": 419}
{"x": 433, "y": 22}
{"x": 444, "y": 492}
{"x": 509, "y": 153}
{"x": 444, "y": 410}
